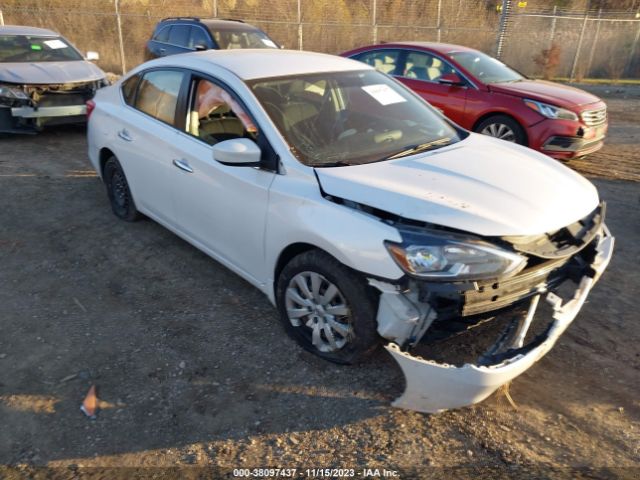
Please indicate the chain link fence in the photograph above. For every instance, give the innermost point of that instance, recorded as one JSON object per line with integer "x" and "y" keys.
{"x": 535, "y": 38}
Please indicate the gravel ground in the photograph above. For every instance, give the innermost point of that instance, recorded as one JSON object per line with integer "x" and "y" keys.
{"x": 194, "y": 371}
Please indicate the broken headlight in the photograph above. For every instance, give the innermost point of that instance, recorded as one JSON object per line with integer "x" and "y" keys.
{"x": 12, "y": 93}
{"x": 452, "y": 258}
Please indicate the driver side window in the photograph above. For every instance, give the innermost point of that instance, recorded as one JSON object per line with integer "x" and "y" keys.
{"x": 423, "y": 66}
{"x": 214, "y": 114}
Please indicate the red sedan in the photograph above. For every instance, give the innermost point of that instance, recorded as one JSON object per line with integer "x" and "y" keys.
{"x": 482, "y": 94}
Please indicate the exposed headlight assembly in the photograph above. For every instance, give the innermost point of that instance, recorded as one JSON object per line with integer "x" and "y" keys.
{"x": 550, "y": 111}
{"x": 14, "y": 93}
{"x": 443, "y": 258}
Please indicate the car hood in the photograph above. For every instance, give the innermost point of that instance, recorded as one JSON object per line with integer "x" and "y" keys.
{"x": 480, "y": 185}
{"x": 50, "y": 72}
{"x": 549, "y": 92}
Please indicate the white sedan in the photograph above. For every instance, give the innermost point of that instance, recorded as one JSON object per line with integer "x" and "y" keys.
{"x": 362, "y": 213}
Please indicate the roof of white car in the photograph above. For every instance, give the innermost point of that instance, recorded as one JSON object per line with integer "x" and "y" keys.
{"x": 21, "y": 30}
{"x": 250, "y": 64}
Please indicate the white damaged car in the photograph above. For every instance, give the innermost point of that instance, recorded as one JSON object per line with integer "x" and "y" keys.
{"x": 362, "y": 213}
{"x": 44, "y": 80}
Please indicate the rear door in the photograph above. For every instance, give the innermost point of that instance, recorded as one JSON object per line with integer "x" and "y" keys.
{"x": 420, "y": 71}
{"x": 145, "y": 138}
{"x": 157, "y": 46}
{"x": 170, "y": 40}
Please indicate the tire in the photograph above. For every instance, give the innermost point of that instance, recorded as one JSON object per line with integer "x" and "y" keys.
{"x": 350, "y": 314}
{"x": 120, "y": 197}
{"x": 503, "y": 127}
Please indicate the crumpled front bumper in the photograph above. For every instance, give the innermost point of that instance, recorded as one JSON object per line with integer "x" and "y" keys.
{"x": 433, "y": 387}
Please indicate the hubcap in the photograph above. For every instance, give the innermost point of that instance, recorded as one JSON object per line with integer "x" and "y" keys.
{"x": 501, "y": 131}
{"x": 316, "y": 305}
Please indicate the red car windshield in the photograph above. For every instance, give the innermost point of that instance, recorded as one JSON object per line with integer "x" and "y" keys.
{"x": 485, "y": 68}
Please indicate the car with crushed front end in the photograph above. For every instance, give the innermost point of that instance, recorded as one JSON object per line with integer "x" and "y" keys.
{"x": 44, "y": 79}
{"x": 364, "y": 214}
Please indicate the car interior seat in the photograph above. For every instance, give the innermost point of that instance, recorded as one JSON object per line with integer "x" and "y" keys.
{"x": 385, "y": 64}
{"x": 417, "y": 67}
{"x": 435, "y": 70}
{"x": 235, "y": 41}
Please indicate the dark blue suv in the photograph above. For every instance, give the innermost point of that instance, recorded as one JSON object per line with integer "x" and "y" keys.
{"x": 190, "y": 34}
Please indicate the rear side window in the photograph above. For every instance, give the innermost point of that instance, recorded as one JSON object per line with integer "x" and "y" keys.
{"x": 163, "y": 35}
{"x": 179, "y": 35}
{"x": 158, "y": 94}
{"x": 129, "y": 89}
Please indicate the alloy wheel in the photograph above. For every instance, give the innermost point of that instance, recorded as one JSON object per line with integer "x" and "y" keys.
{"x": 499, "y": 130}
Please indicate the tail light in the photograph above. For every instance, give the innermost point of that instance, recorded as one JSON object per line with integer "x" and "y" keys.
{"x": 91, "y": 105}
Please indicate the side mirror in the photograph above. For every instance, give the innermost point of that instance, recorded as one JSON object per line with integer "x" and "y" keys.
{"x": 238, "y": 152}
{"x": 93, "y": 56}
{"x": 451, "y": 79}
{"x": 200, "y": 47}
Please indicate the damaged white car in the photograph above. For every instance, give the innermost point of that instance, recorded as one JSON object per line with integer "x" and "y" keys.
{"x": 44, "y": 80}
{"x": 360, "y": 211}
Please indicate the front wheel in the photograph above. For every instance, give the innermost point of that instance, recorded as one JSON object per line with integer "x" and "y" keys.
{"x": 504, "y": 128}
{"x": 327, "y": 308}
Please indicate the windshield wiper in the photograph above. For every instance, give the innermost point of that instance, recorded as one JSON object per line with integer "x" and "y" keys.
{"x": 410, "y": 150}
{"x": 339, "y": 163}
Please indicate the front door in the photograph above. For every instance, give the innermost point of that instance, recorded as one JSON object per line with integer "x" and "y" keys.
{"x": 420, "y": 72}
{"x": 221, "y": 208}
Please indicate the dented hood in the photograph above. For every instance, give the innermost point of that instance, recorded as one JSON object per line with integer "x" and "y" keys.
{"x": 50, "y": 72}
{"x": 480, "y": 185}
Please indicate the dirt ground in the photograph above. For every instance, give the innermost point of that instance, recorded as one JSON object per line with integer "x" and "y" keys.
{"x": 194, "y": 370}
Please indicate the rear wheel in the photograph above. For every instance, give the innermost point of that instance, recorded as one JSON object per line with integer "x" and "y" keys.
{"x": 118, "y": 191}
{"x": 327, "y": 308}
{"x": 504, "y": 128}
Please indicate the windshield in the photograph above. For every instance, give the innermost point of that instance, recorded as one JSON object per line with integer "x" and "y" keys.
{"x": 227, "y": 39}
{"x": 349, "y": 118}
{"x": 487, "y": 69}
{"x": 26, "y": 48}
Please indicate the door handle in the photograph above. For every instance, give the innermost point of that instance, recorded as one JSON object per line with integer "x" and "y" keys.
{"x": 162, "y": 50}
{"x": 183, "y": 165}
{"x": 124, "y": 135}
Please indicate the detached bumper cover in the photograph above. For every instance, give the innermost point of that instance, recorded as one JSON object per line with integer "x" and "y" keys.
{"x": 432, "y": 387}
